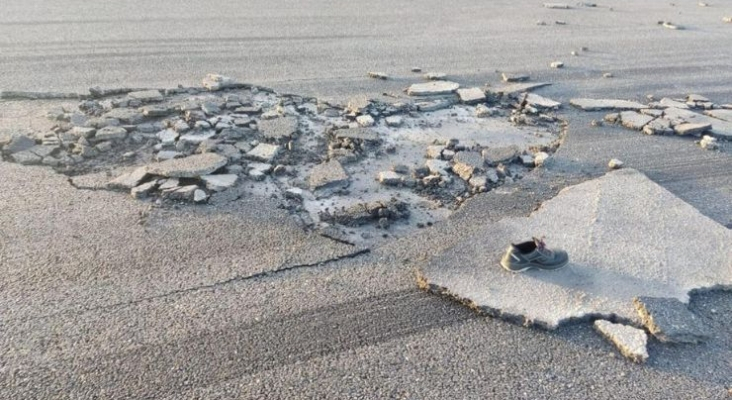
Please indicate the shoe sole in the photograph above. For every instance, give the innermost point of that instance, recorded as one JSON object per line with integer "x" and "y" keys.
{"x": 531, "y": 265}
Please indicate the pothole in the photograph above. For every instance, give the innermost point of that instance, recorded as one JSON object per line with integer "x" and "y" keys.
{"x": 356, "y": 172}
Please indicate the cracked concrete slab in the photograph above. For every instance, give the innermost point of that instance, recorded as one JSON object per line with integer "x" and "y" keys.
{"x": 626, "y": 237}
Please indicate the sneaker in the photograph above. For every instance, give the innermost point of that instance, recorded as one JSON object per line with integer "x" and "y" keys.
{"x": 534, "y": 254}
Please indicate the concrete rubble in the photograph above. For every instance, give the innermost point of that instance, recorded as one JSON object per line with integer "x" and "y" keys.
{"x": 435, "y": 149}
{"x": 694, "y": 116}
{"x": 605, "y": 104}
{"x": 630, "y": 341}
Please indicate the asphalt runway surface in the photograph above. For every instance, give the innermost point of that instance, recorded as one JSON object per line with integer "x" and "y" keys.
{"x": 98, "y": 299}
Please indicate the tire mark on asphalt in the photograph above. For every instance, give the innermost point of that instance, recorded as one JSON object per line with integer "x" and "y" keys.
{"x": 216, "y": 356}
{"x": 210, "y": 286}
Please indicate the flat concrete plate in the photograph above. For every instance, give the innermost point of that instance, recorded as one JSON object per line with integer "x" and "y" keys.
{"x": 626, "y": 237}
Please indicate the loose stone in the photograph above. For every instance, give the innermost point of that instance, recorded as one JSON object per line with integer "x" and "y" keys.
{"x": 365, "y": 120}
{"x": 630, "y": 341}
{"x": 264, "y": 152}
{"x": 328, "y": 175}
{"x": 471, "y": 95}
{"x": 557, "y": 64}
{"x": 389, "y": 178}
{"x": 615, "y": 164}
{"x": 378, "y": 75}
{"x": 432, "y": 88}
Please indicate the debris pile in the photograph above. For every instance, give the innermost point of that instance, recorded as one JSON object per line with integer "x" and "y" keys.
{"x": 694, "y": 115}
{"x": 407, "y": 162}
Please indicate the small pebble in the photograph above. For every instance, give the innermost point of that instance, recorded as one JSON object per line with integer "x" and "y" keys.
{"x": 557, "y": 64}
{"x": 615, "y": 164}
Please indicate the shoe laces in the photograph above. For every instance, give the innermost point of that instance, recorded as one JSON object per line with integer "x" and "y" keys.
{"x": 541, "y": 247}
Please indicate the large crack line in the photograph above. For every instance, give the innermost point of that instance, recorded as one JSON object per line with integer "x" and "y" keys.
{"x": 235, "y": 279}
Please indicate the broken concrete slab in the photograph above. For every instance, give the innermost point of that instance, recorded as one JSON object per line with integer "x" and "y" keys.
{"x": 183, "y": 193}
{"x": 692, "y": 128}
{"x": 724, "y": 115}
{"x": 362, "y": 134}
{"x": 634, "y": 120}
{"x": 606, "y": 104}
{"x": 110, "y": 133}
{"x": 125, "y": 115}
{"x": 328, "y": 175}
{"x": 143, "y": 190}
{"x": 26, "y": 157}
{"x": 516, "y": 88}
{"x": 196, "y": 137}
{"x": 670, "y": 320}
{"x": 659, "y": 126}
{"x": 666, "y": 103}
{"x": 438, "y": 167}
{"x": 498, "y": 155}
{"x": 264, "y": 152}
{"x": 432, "y": 88}
{"x": 19, "y": 143}
{"x": 467, "y": 163}
{"x": 146, "y": 95}
{"x": 129, "y": 180}
{"x": 471, "y": 95}
{"x": 720, "y": 128}
{"x": 188, "y": 167}
{"x": 218, "y": 183}
{"x": 629, "y": 340}
{"x": 660, "y": 256}
{"x": 278, "y": 128}
{"x": 167, "y": 136}
{"x": 537, "y": 101}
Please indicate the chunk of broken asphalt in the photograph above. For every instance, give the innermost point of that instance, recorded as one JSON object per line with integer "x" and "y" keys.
{"x": 606, "y": 104}
{"x": 669, "y": 320}
{"x": 634, "y": 120}
{"x": 19, "y": 143}
{"x": 146, "y": 95}
{"x": 432, "y": 88}
{"x": 129, "y": 180}
{"x": 328, "y": 175}
{"x": 264, "y": 152}
{"x": 692, "y": 128}
{"x": 278, "y": 128}
{"x": 471, "y": 95}
{"x": 189, "y": 167}
{"x": 629, "y": 340}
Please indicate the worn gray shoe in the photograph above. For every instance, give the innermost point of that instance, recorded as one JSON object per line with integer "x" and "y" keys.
{"x": 533, "y": 254}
